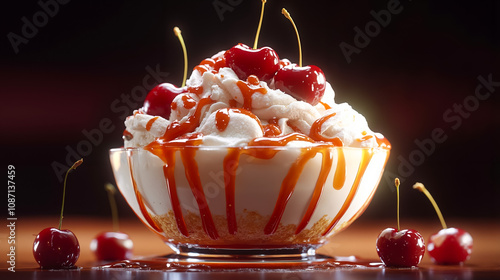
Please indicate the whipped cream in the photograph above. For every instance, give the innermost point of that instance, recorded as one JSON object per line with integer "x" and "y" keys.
{"x": 267, "y": 105}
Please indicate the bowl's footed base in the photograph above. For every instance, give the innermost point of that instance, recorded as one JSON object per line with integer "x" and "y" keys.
{"x": 243, "y": 262}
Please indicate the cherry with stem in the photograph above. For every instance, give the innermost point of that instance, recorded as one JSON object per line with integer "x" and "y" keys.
{"x": 306, "y": 83}
{"x": 449, "y": 246}
{"x": 112, "y": 245}
{"x": 260, "y": 25}
{"x": 159, "y": 99}
{"x": 245, "y": 61}
{"x": 400, "y": 248}
{"x": 56, "y": 248}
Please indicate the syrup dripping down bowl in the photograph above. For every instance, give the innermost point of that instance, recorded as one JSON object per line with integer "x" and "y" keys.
{"x": 251, "y": 201}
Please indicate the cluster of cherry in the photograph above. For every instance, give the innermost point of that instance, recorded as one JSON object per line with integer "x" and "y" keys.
{"x": 406, "y": 247}
{"x": 56, "y": 248}
{"x": 305, "y": 83}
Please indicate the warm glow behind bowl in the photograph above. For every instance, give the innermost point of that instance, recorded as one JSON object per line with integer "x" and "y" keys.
{"x": 295, "y": 199}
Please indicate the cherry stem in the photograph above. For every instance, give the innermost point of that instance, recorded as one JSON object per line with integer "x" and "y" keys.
{"x": 260, "y": 25}
{"x": 177, "y": 33}
{"x": 421, "y": 187}
{"x": 111, "y": 190}
{"x": 396, "y": 182}
{"x": 74, "y": 166}
{"x": 287, "y": 15}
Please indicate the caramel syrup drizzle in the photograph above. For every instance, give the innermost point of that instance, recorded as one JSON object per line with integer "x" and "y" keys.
{"x": 181, "y": 137}
{"x": 150, "y": 123}
{"x": 318, "y": 189}
{"x": 140, "y": 200}
{"x": 168, "y": 171}
{"x": 193, "y": 177}
{"x": 365, "y": 159}
{"x": 231, "y": 163}
{"x": 248, "y": 88}
{"x": 286, "y": 191}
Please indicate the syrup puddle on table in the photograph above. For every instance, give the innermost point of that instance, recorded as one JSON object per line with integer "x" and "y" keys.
{"x": 179, "y": 263}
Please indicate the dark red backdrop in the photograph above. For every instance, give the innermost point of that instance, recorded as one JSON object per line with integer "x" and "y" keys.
{"x": 80, "y": 65}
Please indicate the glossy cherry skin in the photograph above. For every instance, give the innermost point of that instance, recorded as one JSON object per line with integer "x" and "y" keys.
{"x": 158, "y": 100}
{"x": 450, "y": 246}
{"x": 245, "y": 61}
{"x": 303, "y": 83}
{"x": 56, "y": 249}
{"x": 112, "y": 246}
{"x": 404, "y": 248}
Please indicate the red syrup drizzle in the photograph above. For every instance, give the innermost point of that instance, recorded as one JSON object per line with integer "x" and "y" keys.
{"x": 150, "y": 123}
{"x": 193, "y": 176}
{"x": 140, "y": 200}
{"x": 318, "y": 189}
{"x": 205, "y": 65}
{"x": 162, "y": 147}
{"x": 272, "y": 129}
{"x": 127, "y": 135}
{"x": 339, "y": 177}
{"x": 188, "y": 101}
{"x": 248, "y": 88}
{"x": 168, "y": 171}
{"x": 211, "y": 64}
{"x": 231, "y": 162}
{"x": 175, "y": 139}
{"x": 365, "y": 159}
{"x": 316, "y": 131}
{"x": 327, "y": 107}
{"x": 222, "y": 117}
{"x": 287, "y": 188}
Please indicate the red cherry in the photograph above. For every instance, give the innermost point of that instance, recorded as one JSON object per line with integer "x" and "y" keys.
{"x": 304, "y": 83}
{"x": 262, "y": 62}
{"x": 55, "y": 249}
{"x": 450, "y": 246}
{"x": 112, "y": 246}
{"x": 404, "y": 248}
{"x": 158, "y": 100}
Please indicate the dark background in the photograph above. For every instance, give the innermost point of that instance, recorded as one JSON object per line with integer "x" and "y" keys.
{"x": 65, "y": 79}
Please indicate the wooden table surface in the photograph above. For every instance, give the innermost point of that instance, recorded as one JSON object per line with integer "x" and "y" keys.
{"x": 357, "y": 240}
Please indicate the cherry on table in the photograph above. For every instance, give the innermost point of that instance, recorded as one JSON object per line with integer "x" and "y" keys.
{"x": 54, "y": 248}
{"x": 400, "y": 248}
{"x": 160, "y": 98}
{"x": 112, "y": 246}
{"x": 449, "y": 246}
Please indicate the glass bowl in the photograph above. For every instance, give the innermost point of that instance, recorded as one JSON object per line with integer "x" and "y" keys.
{"x": 246, "y": 202}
